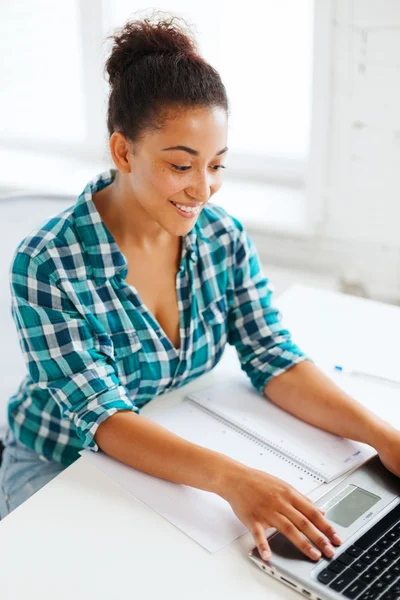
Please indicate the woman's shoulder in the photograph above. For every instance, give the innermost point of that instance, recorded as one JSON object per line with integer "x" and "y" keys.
{"x": 49, "y": 240}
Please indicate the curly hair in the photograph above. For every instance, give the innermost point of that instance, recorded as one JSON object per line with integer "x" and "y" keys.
{"x": 155, "y": 66}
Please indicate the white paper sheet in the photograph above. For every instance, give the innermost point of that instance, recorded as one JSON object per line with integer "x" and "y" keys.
{"x": 205, "y": 517}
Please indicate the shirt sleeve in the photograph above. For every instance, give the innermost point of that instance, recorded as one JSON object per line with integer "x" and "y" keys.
{"x": 61, "y": 350}
{"x": 265, "y": 348}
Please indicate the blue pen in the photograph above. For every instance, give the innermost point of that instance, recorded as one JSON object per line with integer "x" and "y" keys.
{"x": 362, "y": 374}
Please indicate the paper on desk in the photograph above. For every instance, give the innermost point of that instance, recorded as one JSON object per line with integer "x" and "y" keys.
{"x": 204, "y": 516}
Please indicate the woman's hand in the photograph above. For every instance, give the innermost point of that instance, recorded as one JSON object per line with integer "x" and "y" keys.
{"x": 261, "y": 501}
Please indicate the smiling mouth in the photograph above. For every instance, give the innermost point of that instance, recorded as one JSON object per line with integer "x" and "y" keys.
{"x": 191, "y": 210}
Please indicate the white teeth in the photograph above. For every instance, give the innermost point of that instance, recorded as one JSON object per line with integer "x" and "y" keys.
{"x": 187, "y": 209}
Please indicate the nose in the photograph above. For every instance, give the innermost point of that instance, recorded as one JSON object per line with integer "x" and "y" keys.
{"x": 200, "y": 187}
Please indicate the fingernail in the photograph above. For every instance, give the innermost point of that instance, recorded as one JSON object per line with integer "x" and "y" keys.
{"x": 266, "y": 555}
{"x": 336, "y": 539}
{"x": 329, "y": 551}
{"x": 314, "y": 553}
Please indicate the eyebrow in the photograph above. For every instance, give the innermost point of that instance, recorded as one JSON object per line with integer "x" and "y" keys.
{"x": 191, "y": 151}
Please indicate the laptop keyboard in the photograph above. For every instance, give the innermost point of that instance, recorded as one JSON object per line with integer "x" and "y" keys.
{"x": 370, "y": 568}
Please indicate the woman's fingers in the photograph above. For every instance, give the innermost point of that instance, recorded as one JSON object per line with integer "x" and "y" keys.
{"x": 292, "y": 533}
{"x": 314, "y": 534}
{"x": 314, "y": 515}
{"x": 258, "y": 532}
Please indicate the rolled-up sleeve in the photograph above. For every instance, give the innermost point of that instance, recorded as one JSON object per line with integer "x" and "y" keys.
{"x": 62, "y": 352}
{"x": 265, "y": 348}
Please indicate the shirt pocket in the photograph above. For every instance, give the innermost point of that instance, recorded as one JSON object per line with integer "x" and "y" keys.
{"x": 124, "y": 348}
{"x": 216, "y": 312}
{"x": 125, "y": 343}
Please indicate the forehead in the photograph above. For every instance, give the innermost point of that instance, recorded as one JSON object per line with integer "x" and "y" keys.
{"x": 197, "y": 127}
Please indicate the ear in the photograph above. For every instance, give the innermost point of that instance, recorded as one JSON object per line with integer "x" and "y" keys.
{"x": 119, "y": 147}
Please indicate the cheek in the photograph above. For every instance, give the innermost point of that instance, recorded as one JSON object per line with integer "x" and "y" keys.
{"x": 166, "y": 183}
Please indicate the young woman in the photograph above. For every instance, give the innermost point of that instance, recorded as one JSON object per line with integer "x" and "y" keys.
{"x": 135, "y": 290}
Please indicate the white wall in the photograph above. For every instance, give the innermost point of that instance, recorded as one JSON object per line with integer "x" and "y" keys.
{"x": 357, "y": 231}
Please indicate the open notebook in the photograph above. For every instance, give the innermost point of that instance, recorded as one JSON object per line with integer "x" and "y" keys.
{"x": 237, "y": 406}
{"x": 234, "y": 419}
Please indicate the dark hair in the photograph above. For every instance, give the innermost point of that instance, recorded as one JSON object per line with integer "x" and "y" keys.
{"x": 152, "y": 68}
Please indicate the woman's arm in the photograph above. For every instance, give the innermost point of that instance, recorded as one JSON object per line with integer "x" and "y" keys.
{"x": 147, "y": 446}
{"x": 259, "y": 500}
{"x": 310, "y": 395}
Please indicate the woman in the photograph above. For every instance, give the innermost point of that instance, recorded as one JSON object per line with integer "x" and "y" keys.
{"x": 135, "y": 290}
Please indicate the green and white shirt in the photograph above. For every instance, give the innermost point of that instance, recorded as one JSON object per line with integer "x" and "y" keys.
{"x": 91, "y": 345}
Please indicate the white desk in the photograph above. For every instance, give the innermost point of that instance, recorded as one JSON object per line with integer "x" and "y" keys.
{"x": 83, "y": 536}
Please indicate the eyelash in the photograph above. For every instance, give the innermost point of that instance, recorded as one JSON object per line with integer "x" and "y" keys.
{"x": 183, "y": 169}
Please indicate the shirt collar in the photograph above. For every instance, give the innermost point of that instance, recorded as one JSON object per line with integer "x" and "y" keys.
{"x": 106, "y": 259}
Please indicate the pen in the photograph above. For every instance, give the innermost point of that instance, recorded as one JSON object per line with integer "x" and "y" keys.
{"x": 362, "y": 374}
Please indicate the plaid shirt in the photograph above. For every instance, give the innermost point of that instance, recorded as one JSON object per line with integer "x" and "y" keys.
{"x": 92, "y": 347}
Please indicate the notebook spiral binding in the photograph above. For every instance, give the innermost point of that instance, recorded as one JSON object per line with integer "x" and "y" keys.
{"x": 263, "y": 442}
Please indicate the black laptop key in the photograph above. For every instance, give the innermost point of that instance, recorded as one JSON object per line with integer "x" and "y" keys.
{"x": 345, "y": 558}
{"x": 392, "y": 535}
{"x": 376, "y": 568}
{"x": 368, "y": 576}
{"x": 359, "y": 566}
{"x": 379, "y": 586}
{"x": 383, "y": 562}
{"x": 336, "y": 566}
{"x": 390, "y": 556}
{"x": 376, "y": 551}
{"x": 393, "y": 553}
{"x": 354, "y": 551}
{"x": 368, "y": 558}
{"x": 391, "y": 559}
{"x": 354, "y": 589}
{"x": 369, "y": 595}
{"x": 378, "y": 529}
{"x": 343, "y": 580}
{"x": 388, "y": 577}
{"x": 395, "y": 568}
{"x": 396, "y": 529}
{"x": 326, "y": 576}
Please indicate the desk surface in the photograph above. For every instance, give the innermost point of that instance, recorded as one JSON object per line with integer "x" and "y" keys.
{"x": 84, "y": 536}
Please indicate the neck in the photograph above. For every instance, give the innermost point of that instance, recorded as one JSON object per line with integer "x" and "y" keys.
{"x": 128, "y": 222}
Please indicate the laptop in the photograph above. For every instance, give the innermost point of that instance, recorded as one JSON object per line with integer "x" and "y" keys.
{"x": 365, "y": 508}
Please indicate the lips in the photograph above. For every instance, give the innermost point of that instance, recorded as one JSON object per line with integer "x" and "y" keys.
{"x": 186, "y": 213}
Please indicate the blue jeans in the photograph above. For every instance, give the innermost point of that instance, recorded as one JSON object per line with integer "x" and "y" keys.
{"x": 22, "y": 473}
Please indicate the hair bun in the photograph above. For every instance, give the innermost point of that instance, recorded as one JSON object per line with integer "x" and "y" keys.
{"x": 150, "y": 35}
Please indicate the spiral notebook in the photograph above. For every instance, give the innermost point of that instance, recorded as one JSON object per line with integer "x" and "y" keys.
{"x": 234, "y": 419}
{"x": 323, "y": 456}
